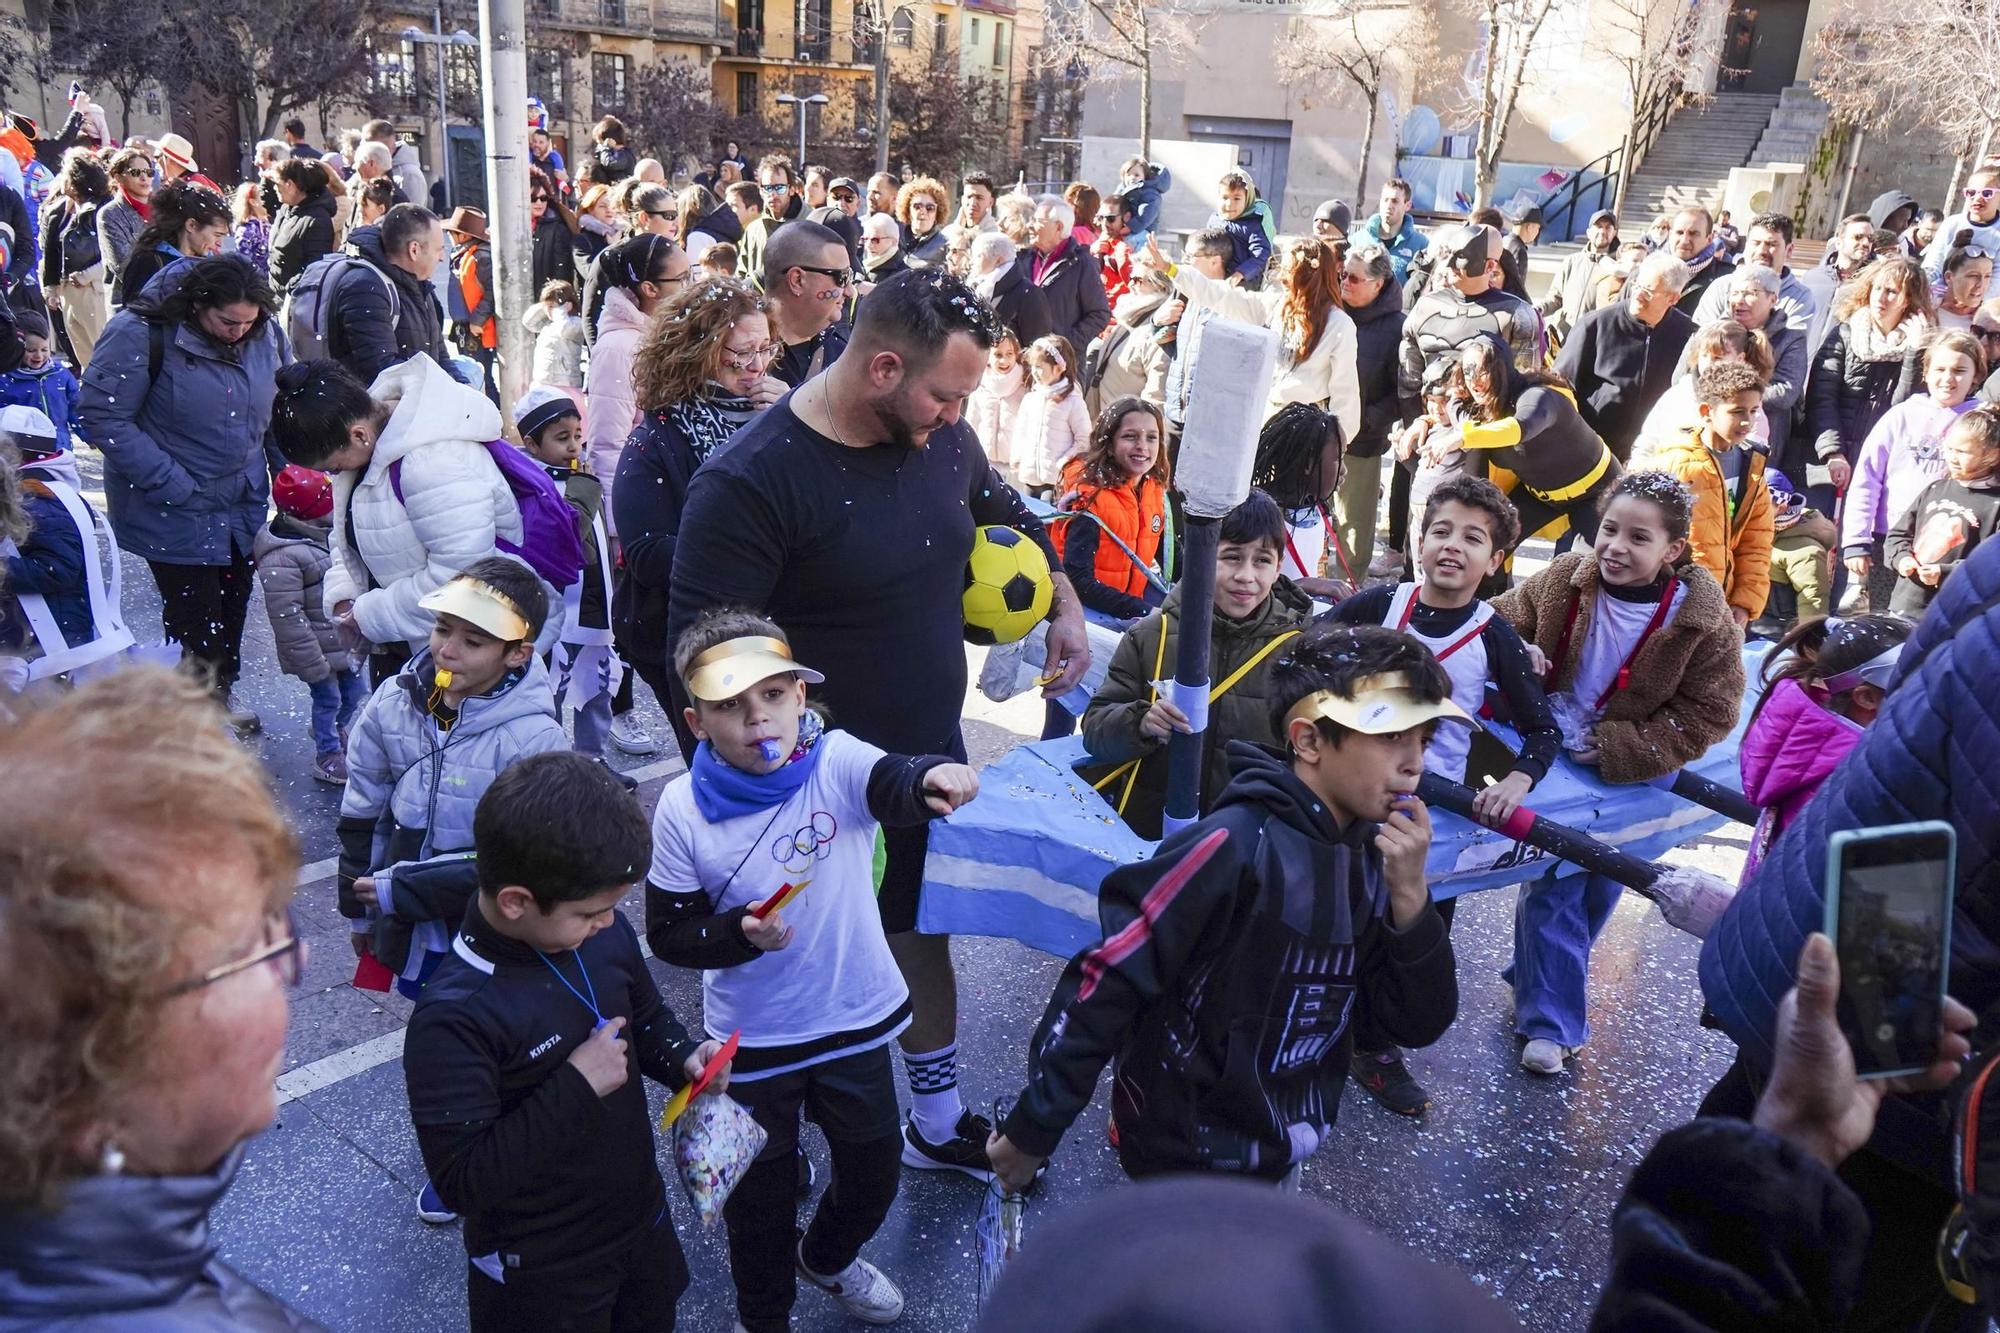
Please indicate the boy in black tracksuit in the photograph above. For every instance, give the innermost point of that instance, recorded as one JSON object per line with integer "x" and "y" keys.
{"x": 522, "y": 1057}
{"x": 1232, "y": 960}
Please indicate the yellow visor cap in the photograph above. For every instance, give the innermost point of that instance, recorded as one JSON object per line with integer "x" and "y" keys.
{"x": 734, "y": 665}
{"x": 481, "y": 605}
{"x": 1380, "y": 704}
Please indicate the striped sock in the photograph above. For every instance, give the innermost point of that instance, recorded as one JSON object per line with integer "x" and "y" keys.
{"x": 934, "y": 1100}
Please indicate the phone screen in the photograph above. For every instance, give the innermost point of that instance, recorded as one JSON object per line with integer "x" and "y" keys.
{"x": 1895, "y": 895}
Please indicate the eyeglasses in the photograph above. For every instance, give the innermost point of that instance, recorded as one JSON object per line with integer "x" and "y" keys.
{"x": 1110, "y": 217}
{"x": 775, "y": 189}
{"x": 1982, "y": 193}
{"x": 922, "y": 206}
{"x": 288, "y": 951}
{"x": 1347, "y": 276}
{"x": 1985, "y": 335}
{"x": 753, "y": 358}
{"x": 668, "y": 213}
{"x": 841, "y": 277}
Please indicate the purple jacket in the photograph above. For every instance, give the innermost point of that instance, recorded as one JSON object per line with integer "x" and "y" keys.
{"x": 1900, "y": 457}
{"x": 1787, "y": 751}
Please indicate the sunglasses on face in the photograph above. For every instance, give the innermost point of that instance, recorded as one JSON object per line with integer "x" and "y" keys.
{"x": 668, "y": 213}
{"x": 1983, "y": 192}
{"x": 1985, "y": 335}
{"x": 775, "y": 189}
{"x": 840, "y": 276}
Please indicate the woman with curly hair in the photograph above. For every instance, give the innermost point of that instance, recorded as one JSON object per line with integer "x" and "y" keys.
{"x": 701, "y": 370}
{"x": 148, "y": 939}
{"x": 923, "y": 206}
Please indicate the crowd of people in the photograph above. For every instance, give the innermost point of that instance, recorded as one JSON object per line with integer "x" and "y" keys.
{"x": 771, "y": 406}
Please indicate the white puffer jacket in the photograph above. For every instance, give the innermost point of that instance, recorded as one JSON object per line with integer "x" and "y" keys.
{"x": 389, "y": 553}
{"x": 1048, "y": 432}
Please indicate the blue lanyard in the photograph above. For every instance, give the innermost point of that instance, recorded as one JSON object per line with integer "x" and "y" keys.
{"x": 584, "y": 972}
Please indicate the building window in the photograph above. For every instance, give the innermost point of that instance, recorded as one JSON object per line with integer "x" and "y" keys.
{"x": 975, "y": 32}
{"x": 903, "y": 28}
{"x": 609, "y": 76}
{"x": 1002, "y": 35}
{"x": 746, "y": 92}
{"x": 815, "y": 29}
{"x": 940, "y": 34}
{"x": 392, "y": 73}
{"x": 463, "y": 85}
{"x": 864, "y": 38}
{"x": 544, "y": 9}
{"x": 548, "y": 79}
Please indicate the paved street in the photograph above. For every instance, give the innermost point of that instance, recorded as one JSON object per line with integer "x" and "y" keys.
{"x": 1509, "y": 1179}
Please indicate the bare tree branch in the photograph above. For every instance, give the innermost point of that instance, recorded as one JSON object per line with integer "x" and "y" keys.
{"x": 1935, "y": 63}
{"x": 1367, "y": 46}
{"x": 1142, "y": 36}
{"x": 1662, "y": 48}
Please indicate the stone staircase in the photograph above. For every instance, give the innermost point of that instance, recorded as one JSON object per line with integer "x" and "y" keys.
{"x": 1795, "y": 129}
{"x": 1691, "y": 161}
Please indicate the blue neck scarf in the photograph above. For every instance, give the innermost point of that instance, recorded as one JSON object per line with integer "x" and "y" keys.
{"x": 724, "y": 792}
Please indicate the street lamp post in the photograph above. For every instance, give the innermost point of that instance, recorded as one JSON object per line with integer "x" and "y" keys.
{"x": 437, "y": 38}
{"x": 816, "y": 99}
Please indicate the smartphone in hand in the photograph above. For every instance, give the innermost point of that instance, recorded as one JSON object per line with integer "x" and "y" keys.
{"x": 1889, "y": 895}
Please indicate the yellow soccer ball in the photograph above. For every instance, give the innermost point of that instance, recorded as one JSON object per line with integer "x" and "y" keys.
{"x": 1007, "y": 586}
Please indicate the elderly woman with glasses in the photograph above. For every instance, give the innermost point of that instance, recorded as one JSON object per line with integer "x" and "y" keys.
{"x": 147, "y": 939}
{"x": 923, "y": 207}
{"x": 701, "y": 371}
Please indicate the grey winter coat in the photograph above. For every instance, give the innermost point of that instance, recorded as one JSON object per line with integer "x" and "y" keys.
{"x": 292, "y": 558}
{"x": 411, "y": 788}
{"x": 187, "y": 458}
{"x": 131, "y": 1254}
{"x": 118, "y": 228}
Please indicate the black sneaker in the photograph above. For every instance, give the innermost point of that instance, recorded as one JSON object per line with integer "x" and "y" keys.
{"x": 1382, "y": 1076}
{"x": 965, "y": 1151}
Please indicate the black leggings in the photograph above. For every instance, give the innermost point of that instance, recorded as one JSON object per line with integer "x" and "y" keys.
{"x": 202, "y": 609}
{"x": 1582, "y": 511}
{"x": 1401, "y": 474}
{"x": 853, "y": 1100}
{"x": 666, "y": 688}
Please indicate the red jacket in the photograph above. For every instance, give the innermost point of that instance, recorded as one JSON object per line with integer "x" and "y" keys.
{"x": 1115, "y": 258}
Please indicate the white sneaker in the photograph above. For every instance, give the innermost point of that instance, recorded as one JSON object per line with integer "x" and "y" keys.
{"x": 862, "y": 1289}
{"x": 1542, "y": 1056}
{"x": 630, "y": 737}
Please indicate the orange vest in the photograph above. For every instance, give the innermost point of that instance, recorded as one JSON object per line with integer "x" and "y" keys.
{"x": 1136, "y": 516}
{"x": 474, "y": 292}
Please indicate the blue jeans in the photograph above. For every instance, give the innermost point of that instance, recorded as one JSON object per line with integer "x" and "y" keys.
{"x": 336, "y": 701}
{"x": 1555, "y": 923}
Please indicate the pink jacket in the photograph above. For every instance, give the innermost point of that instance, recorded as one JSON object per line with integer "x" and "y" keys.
{"x": 1791, "y": 747}
{"x": 1899, "y": 458}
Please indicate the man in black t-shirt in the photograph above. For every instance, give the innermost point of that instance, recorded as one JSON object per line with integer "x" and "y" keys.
{"x": 846, "y": 513}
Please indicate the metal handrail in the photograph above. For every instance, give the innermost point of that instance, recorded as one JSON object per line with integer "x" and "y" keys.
{"x": 1560, "y": 208}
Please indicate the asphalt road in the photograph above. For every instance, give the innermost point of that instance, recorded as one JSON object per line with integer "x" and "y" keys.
{"x": 1509, "y": 1179}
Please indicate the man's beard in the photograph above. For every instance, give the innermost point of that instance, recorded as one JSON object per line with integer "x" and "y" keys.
{"x": 894, "y": 422}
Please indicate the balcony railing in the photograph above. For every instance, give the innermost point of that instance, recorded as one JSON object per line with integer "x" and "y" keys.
{"x": 635, "y": 16}
{"x": 749, "y": 41}
{"x": 693, "y": 24}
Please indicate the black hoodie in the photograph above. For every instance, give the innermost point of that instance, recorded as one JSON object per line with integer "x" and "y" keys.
{"x": 1224, "y": 989}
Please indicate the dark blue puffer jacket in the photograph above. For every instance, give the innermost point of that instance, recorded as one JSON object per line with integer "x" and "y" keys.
{"x": 1929, "y": 755}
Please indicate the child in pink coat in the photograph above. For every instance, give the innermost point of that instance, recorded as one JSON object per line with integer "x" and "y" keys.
{"x": 1823, "y": 683}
